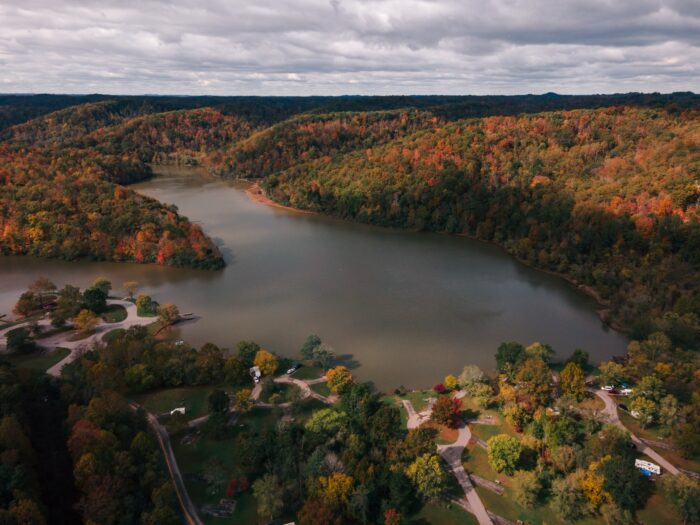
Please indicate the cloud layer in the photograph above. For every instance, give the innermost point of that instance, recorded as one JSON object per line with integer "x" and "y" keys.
{"x": 304, "y": 47}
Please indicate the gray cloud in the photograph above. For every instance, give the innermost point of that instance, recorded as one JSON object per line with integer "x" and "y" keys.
{"x": 303, "y": 47}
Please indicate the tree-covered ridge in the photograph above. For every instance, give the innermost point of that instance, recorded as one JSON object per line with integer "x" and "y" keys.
{"x": 308, "y": 137}
{"x": 608, "y": 197}
{"x": 64, "y": 207}
{"x": 180, "y": 137}
{"x": 70, "y": 124}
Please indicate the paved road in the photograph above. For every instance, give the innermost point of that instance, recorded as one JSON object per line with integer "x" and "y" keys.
{"x": 306, "y": 392}
{"x": 613, "y": 417}
{"x": 189, "y": 511}
{"x": 77, "y": 347}
{"x": 452, "y": 454}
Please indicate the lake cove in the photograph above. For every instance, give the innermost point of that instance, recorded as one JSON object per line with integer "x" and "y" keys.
{"x": 405, "y": 308}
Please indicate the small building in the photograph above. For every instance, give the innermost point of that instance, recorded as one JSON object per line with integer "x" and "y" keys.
{"x": 255, "y": 373}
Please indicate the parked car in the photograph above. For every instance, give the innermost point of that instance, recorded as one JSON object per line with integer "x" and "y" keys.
{"x": 626, "y": 391}
{"x": 293, "y": 369}
{"x": 607, "y": 388}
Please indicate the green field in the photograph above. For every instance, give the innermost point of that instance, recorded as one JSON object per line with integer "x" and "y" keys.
{"x": 193, "y": 398}
{"x": 321, "y": 388}
{"x": 115, "y": 313}
{"x": 441, "y": 514}
{"x": 39, "y": 361}
{"x": 308, "y": 372}
{"x": 192, "y": 460}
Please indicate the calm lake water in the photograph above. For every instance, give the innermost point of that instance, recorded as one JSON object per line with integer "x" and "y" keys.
{"x": 403, "y": 308}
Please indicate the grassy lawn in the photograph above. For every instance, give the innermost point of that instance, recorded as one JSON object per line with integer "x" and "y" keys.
{"x": 115, "y": 313}
{"x": 113, "y": 334}
{"x": 304, "y": 409}
{"x": 193, "y": 398}
{"x": 39, "y": 361}
{"x": 441, "y": 514}
{"x": 308, "y": 372}
{"x": 653, "y": 433}
{"x": 283, "y": 390}
{"x": 658, "y": 510}
{"x": 9, "y": 324}
{"x": 193, "y": 458}
{"x": 321, "y": 388}
{"x": 419, "y": 399}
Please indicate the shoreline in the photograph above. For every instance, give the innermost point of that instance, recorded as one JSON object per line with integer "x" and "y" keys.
{"x": 256, "y": 194}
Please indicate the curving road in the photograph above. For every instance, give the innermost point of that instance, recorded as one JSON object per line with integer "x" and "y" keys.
{"x": 77, "y": 347}
{"x": 189, "y": 511}
{"x": 613, "y": 417}
{"x": 452, "y": 454}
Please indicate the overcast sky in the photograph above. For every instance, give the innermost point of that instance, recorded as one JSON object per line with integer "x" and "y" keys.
{"x": 304, "y": 47}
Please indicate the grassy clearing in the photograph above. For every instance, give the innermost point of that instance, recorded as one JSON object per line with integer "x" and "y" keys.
{"x": 304, "y": 409}
{"x": 283, "y": 390}
{"x": 115, "y": 313}
{"x": 653, "y": 433}
{"x": 193, "y": 398}
{"x": 441, "y": 514}
{"x": 308, "y": 372}
{"x": 113, "y": 334}
{"x": 39, "y": 361}
{"x": 30, "y": 318}
{"x": 658, "y": 510}
{"x": 321, "y": 388}
{"x": 419, "y": 399}
{"x": 194, "y": 458}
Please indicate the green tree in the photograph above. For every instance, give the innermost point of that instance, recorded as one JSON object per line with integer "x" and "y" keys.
{"x": 218, "y": 402}
{"x": 326, "y": 421}
{"x": 168, "y": 313}
{"x": 242, "y": 401}
{"x": 526, "y": 488}
{"x": 580, "y": 358}
{"x": 542, "y": 351}
{"x": 684, "y": 494}
{"x": 649, "y": 387}
{"x": 509, "y": 356}
{"x": 668, "y": 413}
{"x": 131, "y": 287}
{"x": 86, "y": 321}
{"x": 612, "y": 373}
{"x": 534, "y": 378}
{"x": 268, "y": 494}
{"x": 428, "y": 477}
{"x": 145, "y": 306}
{"x": 101, "y": 283}
{"x": 235, "y": 372}
{"x": 573, "y": 382}
{"x": 27, "y": 304}
{"x": 18, "y": 340}
{"x": 504, "y": 453}
{"x": 247, "y": 351}
{"x": 95, "y": 300}
{"x": 471, "y": 376}
{"x": 307, "y": 350}
{"x": 568, "y": 501}
{"x": 645, "y": 410}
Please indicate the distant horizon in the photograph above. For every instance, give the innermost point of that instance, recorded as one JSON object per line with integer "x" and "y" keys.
{"x": 346, "y": 95}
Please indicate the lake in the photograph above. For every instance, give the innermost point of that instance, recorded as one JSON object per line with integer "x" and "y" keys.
{"x": 400, "y": 307}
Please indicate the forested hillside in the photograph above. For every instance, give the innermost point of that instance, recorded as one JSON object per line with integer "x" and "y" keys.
{"x": 66, "y": 207}
{"x": 608, "y": 197}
